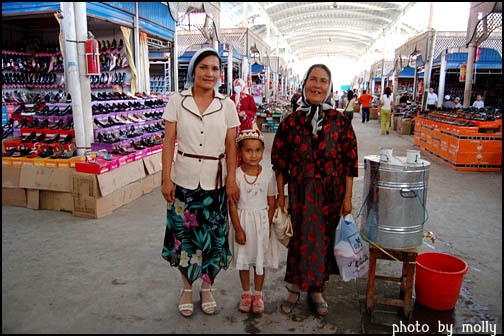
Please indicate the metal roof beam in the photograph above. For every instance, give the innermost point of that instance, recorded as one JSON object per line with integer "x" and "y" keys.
{"x": 321, "y": 13}
{"x": 329, "y": 5}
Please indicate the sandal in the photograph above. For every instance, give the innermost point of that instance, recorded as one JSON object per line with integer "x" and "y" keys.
{"x": 187, "y": 306}
{"x": 288, "y": 304}
{"x": 207, "y": 305}
{"x": 315, "y": 306}
{"x": 246, "y": 303}
{"x": 258, "y": 304}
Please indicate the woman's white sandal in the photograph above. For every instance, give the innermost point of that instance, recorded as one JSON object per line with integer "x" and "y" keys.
{"x": 187, "y": 306}
{"x": 207, "y": 305}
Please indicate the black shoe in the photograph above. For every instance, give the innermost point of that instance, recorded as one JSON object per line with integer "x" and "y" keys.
{"x": 33, "y": 124}
{"x": 68, "y": 126}
{"x": 57, "y": 125}
{"x": 44, "y": 124}
{"x": 53, "y": 139}
{"x": 67, "y": 140}
{"x": 387, "y": 132}
{"x": 316, "y": 305}
{"x": 47, "y": 152}
{"x": 40, "y": 138}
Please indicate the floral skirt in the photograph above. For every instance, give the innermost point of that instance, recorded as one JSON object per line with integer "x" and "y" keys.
{"x": 196, "y": 233}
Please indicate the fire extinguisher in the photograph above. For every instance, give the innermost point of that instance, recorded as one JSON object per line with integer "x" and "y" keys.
{"x": 92, "y": 57}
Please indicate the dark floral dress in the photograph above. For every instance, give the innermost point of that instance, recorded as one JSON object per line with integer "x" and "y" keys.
{"x": 315, "y": 169}
{"x": 196, "y": 233}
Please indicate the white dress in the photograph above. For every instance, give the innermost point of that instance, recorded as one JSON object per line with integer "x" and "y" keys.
{"x": 259, "y": 250}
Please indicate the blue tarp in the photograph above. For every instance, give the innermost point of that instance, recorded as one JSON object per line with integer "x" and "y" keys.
{"x": 409, "y": 72}
{"x": 257, "y": 67}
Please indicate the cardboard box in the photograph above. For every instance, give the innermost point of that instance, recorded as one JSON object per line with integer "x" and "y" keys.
{"x": 406, "y": 126}
{"x": 32, "y": 198}
{"x": 11, "y": 177}
{"x": 151, "y": 182}
{"x": 14, "y": 197}
{"x": 153, "y": 163}
{"x": 104, "y": 184}
{"x": 92, "y": 207}
{"x": 55, "y": 200}
{"x": 44, "y": 178}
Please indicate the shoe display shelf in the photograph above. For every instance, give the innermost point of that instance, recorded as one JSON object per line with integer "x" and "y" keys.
{"x": 135, "y": 125}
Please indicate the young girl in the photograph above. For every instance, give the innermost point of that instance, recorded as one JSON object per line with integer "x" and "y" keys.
{"x": 252, "y": 241}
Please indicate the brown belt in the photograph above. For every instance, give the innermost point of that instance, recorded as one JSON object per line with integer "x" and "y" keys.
{"x": 218, "y": 179}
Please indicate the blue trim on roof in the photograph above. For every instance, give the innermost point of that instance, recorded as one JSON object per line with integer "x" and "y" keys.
{"x": 155, "y": 29}
{"x": 28, "y": 7}
{"x": 489, "y": 59}
{"x": 104, "y": 11}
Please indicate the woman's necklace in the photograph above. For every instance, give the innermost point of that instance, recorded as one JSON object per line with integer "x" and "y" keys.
{"x": 255, "y": 180}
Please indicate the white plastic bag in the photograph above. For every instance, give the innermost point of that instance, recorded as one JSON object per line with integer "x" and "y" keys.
{"x": 350, "y": 249}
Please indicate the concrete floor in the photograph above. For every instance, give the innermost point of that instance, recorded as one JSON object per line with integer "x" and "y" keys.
{"x": 64, "y": 274}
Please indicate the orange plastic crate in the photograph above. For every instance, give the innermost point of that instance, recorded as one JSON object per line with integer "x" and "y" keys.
{"x": 6, "y": 161}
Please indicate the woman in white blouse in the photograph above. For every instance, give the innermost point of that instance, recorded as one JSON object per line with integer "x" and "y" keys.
{"x": 204, "y": 122}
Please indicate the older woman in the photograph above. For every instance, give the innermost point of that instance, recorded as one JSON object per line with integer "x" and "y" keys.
{"x": 204, "y": 122}
{"x": 245, "y": 104}
{"x": 315, "y": 152}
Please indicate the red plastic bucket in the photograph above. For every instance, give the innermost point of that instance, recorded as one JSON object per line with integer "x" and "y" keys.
{"x": 438, "y": 280}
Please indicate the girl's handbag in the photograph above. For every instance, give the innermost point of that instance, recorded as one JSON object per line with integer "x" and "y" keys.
{"x": 282, "y": 226}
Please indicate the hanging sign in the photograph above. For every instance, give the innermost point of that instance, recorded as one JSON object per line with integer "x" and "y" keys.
{"x": 463, "y": 73}
{"x": 477, "y": 54}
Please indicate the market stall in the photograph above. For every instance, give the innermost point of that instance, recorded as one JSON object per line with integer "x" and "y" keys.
{"x": 71, "y": 151}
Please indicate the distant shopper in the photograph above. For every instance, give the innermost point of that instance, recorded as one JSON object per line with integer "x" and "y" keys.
{"x": 365, "y": 100}
{"x": 386, "y": 105}
{"x": 404, "y": 98}
{"x": 448, "y": 103}
{"x": 432, "y": 99}
{"x": 245, "y": 104}
{"x": 348, "y": 103}
{"x": 204, "y": 123}
{"x": 336, "y": 99}
{"x": 478, "y": 103}
{"x": 456, "y": 101}
{"x": 294, "y": 101}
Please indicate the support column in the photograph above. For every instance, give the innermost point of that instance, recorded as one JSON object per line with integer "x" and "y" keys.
{"x": 85, "y": 87}
{"x": 175, "y": 63}
{"x": 266, "y": 83}
{"x": 72, "y": 75}
{"x": 442, "y": 79}
{"x": 431, "y": 39}
{"x": 136, "y": 47}
{"x": 469, "y": 75}
{"x": 415, "y": 84}
{"x": 229, "y": 83}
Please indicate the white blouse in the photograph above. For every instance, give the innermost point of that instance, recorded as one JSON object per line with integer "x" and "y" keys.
{"x": 200, "y": 135}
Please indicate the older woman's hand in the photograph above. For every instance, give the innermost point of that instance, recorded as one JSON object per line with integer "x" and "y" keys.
{"x": 232, "y": 191}
{"x": 346, "y": 206}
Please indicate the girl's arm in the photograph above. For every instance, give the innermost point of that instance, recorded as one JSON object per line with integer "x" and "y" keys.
{"x": 271, "y": 211}
{"x": 239, "y": 233}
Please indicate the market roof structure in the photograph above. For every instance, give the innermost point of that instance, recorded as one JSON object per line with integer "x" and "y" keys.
{"x": 308, "y": 29}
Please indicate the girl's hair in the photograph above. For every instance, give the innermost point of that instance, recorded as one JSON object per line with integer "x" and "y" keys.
{"x": 388, "y": 92}
{"x": 350, "y": 95}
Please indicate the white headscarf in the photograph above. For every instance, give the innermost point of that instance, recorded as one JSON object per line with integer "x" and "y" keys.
{"x": 315, "y": 113}
{"x": 190, "y": 71}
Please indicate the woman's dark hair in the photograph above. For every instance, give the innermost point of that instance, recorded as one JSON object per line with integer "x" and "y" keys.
{"x": 203, "y": 55}
{"x": 350, "y": 95}
{"x": 388, "y": 92}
